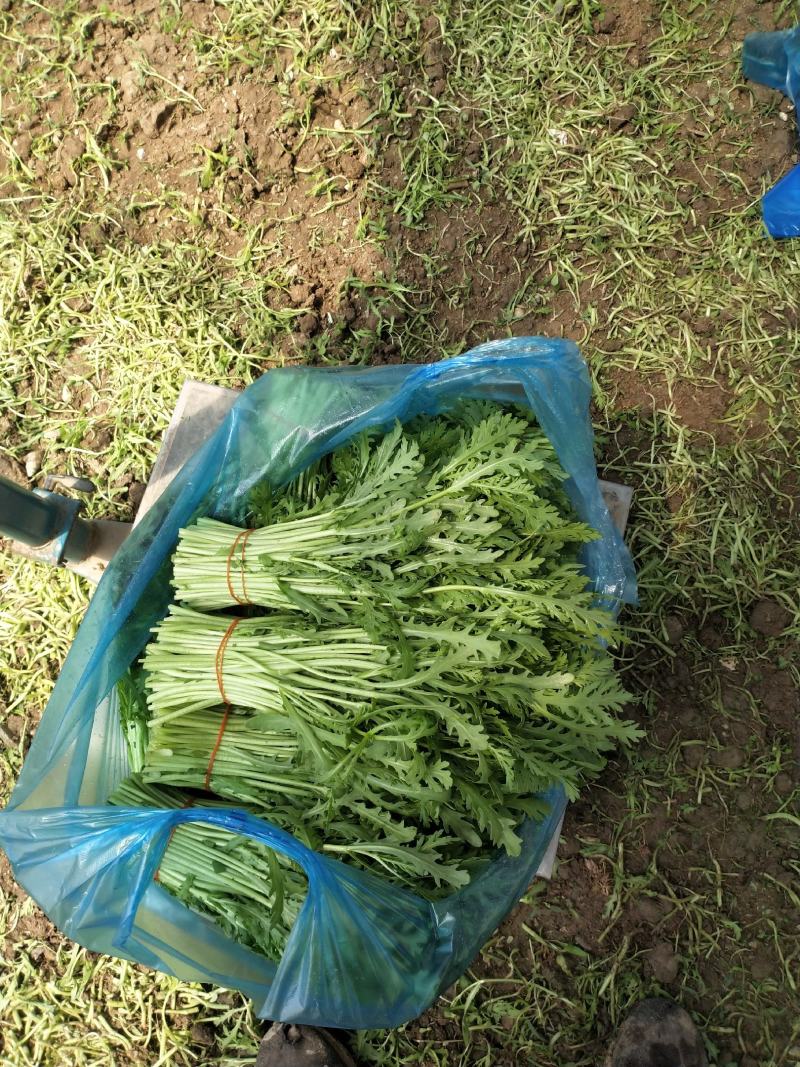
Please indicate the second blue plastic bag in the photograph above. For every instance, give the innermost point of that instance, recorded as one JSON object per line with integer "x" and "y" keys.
{"x": 773, "y": 59}
{"x": 363, "y": 952}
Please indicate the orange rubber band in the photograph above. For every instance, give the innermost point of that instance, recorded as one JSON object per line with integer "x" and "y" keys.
{"x": 221, "y": 683}
{"x": 215, "y": 749}
{"x": 241, "y": 541}
{"x": 220, "y": 658}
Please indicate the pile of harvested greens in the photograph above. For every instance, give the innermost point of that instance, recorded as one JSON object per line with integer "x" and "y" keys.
{"x": 391, "y": 664}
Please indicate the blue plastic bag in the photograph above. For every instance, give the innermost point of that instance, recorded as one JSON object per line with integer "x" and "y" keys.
{"x": 363, "y": 952}
{"x": 773, "y": 59}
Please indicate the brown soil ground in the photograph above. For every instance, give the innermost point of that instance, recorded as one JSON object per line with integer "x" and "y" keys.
{"x": 668, "y": 843}
{"x": 262, "y": 131}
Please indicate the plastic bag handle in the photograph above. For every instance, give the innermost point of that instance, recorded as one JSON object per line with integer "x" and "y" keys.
{"x": 238, "y": 821}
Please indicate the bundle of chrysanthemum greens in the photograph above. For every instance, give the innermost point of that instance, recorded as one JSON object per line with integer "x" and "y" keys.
{"x": 409, "y": 654}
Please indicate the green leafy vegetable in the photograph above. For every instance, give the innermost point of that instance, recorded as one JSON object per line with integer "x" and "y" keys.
{"x": 418, "y": 659}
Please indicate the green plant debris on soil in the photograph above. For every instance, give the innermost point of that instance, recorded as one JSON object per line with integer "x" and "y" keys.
{"x": 198, "y": 190}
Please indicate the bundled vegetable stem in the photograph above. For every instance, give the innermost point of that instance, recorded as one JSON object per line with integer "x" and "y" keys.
{"x": 254, "y": 893}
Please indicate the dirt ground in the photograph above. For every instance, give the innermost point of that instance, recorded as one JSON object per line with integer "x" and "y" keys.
{"x": 678, "y": 871}
{"x": 252, "y": 150}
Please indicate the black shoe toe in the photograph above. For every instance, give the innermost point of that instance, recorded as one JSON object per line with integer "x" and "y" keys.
{"x": 657, "y": 1033}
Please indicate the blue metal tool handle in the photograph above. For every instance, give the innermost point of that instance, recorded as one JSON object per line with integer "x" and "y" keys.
{"x": 43, "y": 519}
